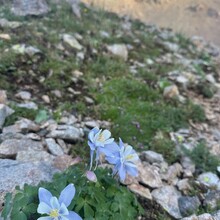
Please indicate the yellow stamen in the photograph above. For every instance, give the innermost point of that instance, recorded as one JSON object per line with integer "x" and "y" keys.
{"x": 54, "y": 213}
{"x": 128, "y": 157}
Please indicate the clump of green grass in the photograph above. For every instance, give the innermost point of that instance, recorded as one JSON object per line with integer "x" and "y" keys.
{"x": 138, "y": 111}
{"x": 20, "y": 113}
{"x": 203, "y": 159}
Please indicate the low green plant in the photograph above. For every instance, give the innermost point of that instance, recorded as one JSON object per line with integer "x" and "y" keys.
{"x": 105, "y": 199}
{"x": 203, "y": 159}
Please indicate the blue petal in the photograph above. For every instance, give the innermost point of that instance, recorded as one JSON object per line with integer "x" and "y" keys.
{"x": 67, "y": 195}
{"x": 43, "y": 208}
{"x": 113, "y": 147}
{"x": 132, "y": 170}
{"x": 44, "y": 195}
{"x": 112, "y": 159}
{"x": 54, "y": 203}
{"x": 45, "y": 218}
{"x": 63, "y": 210}
{"x": 91, "y": 145}
{"x": 122, "y": 173}
{"x": 74, "y": 216}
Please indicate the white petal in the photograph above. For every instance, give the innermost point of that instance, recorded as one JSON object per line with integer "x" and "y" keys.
{"x": 107, "y": 134}
{"x": 43, "y": 208}
{"x": 45, "y": 218}
{"x": 54, "y": 203}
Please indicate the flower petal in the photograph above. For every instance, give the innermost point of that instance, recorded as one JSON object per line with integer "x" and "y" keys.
{"x": 63, "y": 210}
{"x": 107, "y": 134}
{"x": 132, "y": 170}
{"x": 73, "y": 215}
{"x": 122, "y": 173}
{"x": 43, "y": 208}
{"x": 45, "y": 218}
{"x": 67, "y": 195}
{"x": 44, "y": 195}
{"x": 54, "y": 203}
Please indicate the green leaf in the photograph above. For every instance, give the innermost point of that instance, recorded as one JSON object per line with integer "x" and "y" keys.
{"x": 42, "y": 115}
{"x": 88, "y": 211}
{"x": 19, "y": 216}
{"x": 7, "y": 206}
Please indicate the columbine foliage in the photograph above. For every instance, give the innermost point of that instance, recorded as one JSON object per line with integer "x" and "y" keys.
{"x": 105, "y": 199}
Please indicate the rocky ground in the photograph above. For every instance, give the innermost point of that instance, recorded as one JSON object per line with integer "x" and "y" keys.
{"x": 73, "y": 68}
{"x": 191, "y": 17}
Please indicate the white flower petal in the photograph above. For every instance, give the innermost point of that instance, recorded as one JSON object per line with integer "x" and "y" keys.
{"x": 107, "y": 134}
{"x": 43, "y": 208}
{"x": 45, "y": 218}
{"x": 54, "y": 203}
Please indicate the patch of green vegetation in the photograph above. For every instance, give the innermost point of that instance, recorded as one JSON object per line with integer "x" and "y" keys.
{"x": 203, "y": 159}
{"x": 162, "y": 144}
{"x": 105, "y": 199}
{"x": 20, "y": 113}
{"x": 138, "y": 111}
{"x": 105, "y": 67}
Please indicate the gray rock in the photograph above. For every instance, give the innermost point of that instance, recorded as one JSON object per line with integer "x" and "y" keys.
{"x": 10, "y": 148}
{"x": 216, "y": 215}
{"x": 167, "y": 197}
{"x": 140, "y": 190}
{"x": 184, "y": 186}
{"x": 9, "y": 24}
{"x": 25, "y": 125}
{"x": 71, "y": 41}
{"x": 171, "y": 91}
{"x": 205, "y": 216}
{"x": 149, "y": 176}
{"x": 23, "y": 95}
{"x": 3, "y": 97}
{"x": 192, "y": 217}
{"x": 171, "y": 46}
{"x": 28, "y": 105}
{"x": 30, "y": 7}
{"x": 119, "y": 50}
{"x": 152, "y": 157}
{"x": 14, "y": 173}
{"x": 172, "y": 173}
{"x": 69, "y": 133}
{"x": 212, "y": 199}
{"x": 188, "y": 165}
{"x": 53, "y": 147}
{"x": 188, "y": 205}
{"x": 34, "y": 156}
{"x": 210, "y": 180}
{"x": 23, "y": 49}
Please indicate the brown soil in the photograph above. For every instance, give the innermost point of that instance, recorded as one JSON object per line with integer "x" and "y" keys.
{"x": 191, "y": 17}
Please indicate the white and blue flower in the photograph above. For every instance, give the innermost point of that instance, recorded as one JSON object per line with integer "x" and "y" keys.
{"x": 99, "y": 141}
{"x": 123, "y": 158}
{"x": 56, "y": 209}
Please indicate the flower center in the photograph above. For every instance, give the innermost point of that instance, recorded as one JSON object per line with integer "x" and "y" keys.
{"x": 101, "y": 138}
{"x": 128, "y": 157}
{"x": 54, "y": 213}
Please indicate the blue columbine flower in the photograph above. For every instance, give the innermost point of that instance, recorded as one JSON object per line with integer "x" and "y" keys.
{"x": 56, "y": 209}
{"x": 98, "y": 140}
{"x": 124, "y": 158}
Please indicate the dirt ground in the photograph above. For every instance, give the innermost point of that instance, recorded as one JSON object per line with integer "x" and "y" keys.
{"x": 191, "y": 17}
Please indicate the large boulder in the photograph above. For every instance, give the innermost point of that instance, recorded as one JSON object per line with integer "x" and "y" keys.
{"x": 30, "y": 7}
